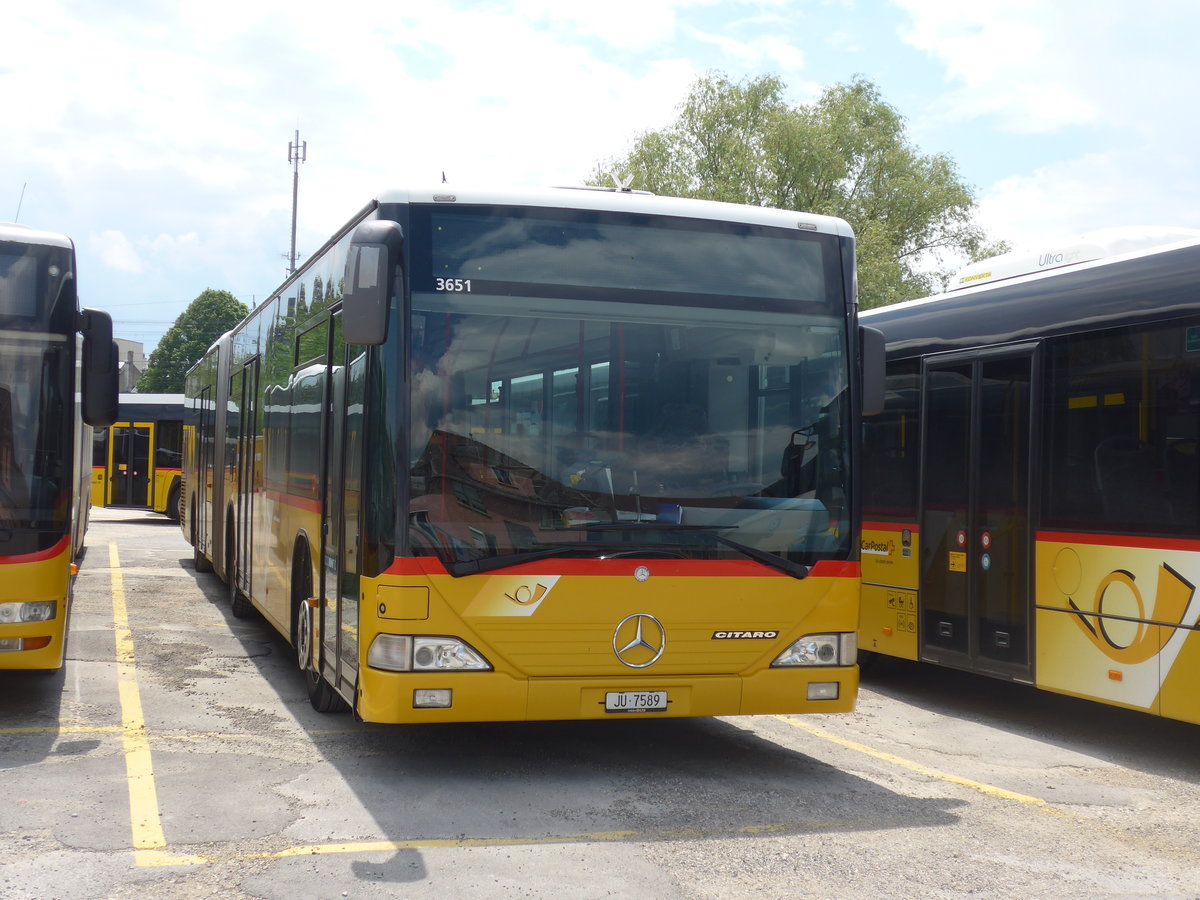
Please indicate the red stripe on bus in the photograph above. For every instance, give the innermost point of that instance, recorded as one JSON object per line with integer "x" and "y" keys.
{"x": 40, "y": 556}
{"x": 1119, "y": 540}
{"x": 304, "y": 503}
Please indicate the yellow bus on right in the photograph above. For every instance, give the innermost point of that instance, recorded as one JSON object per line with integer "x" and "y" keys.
{"x": 1032, "y": 488}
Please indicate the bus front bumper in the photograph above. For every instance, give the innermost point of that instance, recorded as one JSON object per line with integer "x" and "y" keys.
{"x": 395, "y": 697}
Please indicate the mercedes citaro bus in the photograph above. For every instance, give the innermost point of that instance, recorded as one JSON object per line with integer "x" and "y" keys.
{"x": 560, "y": 454}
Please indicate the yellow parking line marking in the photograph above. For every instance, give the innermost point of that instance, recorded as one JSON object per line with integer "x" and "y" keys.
{"x": 145, "y": 827}
{"x": 386, "y": 846}
{"x": 989, "y": 789}
{"x": 435, "y": 843}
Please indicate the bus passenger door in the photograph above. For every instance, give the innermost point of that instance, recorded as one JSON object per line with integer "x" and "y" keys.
{"x": 976, "y": 592}
{"x": 129, "y": 462}
{"x": 249, "y": 455}
{"x": 202, "y": 491}
{"x": 339, "y": 518}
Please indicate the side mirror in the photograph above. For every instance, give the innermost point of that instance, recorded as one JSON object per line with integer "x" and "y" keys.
{"x": 366, "y": 296}
{"x": 872, "y": 354}
{"x": 100, "y": 367}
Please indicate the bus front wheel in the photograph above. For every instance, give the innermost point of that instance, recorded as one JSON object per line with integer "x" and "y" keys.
{"x": 321, "y": 694}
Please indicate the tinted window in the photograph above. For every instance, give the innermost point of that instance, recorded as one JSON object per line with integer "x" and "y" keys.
{"x": 1121, "y": 427}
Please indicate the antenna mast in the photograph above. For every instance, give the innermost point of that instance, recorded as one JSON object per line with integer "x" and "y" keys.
{"x": 297, "y": 153}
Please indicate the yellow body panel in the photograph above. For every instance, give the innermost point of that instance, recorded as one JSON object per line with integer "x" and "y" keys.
{"x": 550, "y": 638}
{"x": 99, "y": 487}
{"x": 40, "y": 580}
{"x": 890, "y": 560}
{"x": 550, "y": 635}
{"x": 1119, "y": 624}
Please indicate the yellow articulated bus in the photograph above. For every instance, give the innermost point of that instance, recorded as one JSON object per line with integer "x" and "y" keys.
{"x": 1032, "y": 490}
{"x": 50, "y": 385}
{"x": 567, "y": 454}
{"x": 137, "y": 461}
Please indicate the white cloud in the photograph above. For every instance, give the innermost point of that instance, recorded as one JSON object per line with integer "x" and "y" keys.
{"x": 115, "y": 251}
{"x": 1044, "y": 67}
{"x": 1097, "y": 191}
{"x": 764, "y": 52}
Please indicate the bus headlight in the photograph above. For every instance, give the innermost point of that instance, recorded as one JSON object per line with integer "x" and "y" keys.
{"x": 31, "y": 611}
{"x": 424, "y": 653}
{"x": 821, "y": 650}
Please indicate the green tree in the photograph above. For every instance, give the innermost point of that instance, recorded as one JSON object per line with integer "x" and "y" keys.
{"x": 847, "y": 154}
{"x": 206, "y": 318}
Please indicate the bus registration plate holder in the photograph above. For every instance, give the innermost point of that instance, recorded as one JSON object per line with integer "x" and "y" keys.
{"x": 635, "y": 701}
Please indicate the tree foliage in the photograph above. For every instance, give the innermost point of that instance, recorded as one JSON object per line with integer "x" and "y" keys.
{"x": 206, "y": 318}
{"x": 847, "y": 155}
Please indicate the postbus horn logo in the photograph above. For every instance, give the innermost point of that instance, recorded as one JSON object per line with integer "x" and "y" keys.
{"x": 1171, "y": 600}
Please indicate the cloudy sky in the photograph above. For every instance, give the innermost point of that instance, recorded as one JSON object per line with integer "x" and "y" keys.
{"x": 156, "y": 133}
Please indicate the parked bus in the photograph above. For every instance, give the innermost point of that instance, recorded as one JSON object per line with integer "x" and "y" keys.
{"x": 1032, "y": 490}
{"x": 565, "y": 454}
{"x": 137, "y": 461}
{"x": 43, "y": 441}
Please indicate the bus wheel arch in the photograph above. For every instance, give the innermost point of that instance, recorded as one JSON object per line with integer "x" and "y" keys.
{"x": 321, "y": 694}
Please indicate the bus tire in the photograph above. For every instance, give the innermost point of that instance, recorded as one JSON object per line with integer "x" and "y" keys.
{"x": 321, "y": 695}
{"x": 172, "y": 509}
{"x": 199, "y": 560}
{"x": 239, "y": 603}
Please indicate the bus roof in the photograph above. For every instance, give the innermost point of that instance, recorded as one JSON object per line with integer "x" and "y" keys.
{"x": 1094, "y": 245}
{"x": 151, "y": 399}
{"x": 1140, "y": 286}
{"x": 24, "y": 234}
{"x": 611, "y": 199}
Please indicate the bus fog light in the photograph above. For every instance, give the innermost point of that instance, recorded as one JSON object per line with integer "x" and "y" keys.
{"x": 820, "y": 650}
{"x": 429, "y": 698}
{"x": 391, "y": 651}
{"x": 35, "y": 611}
{"x": 10, "y": 644}
{"x": 823, "y": 690}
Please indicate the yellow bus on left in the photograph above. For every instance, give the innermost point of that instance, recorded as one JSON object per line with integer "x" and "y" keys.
{"x": 58, "y": 377}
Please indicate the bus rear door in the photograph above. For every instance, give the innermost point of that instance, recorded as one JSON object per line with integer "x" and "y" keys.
{"x": 130, "y": 465}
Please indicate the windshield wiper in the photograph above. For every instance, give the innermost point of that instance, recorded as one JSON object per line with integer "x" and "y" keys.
{"x": 766, "y": 557}
{"x": 462, "y": 567}
{"x": 459, "y": 568}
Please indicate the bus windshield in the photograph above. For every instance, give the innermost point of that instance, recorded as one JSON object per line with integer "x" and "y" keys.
{"x": 36, "y": 317}
{"x": 661, "y": 391}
